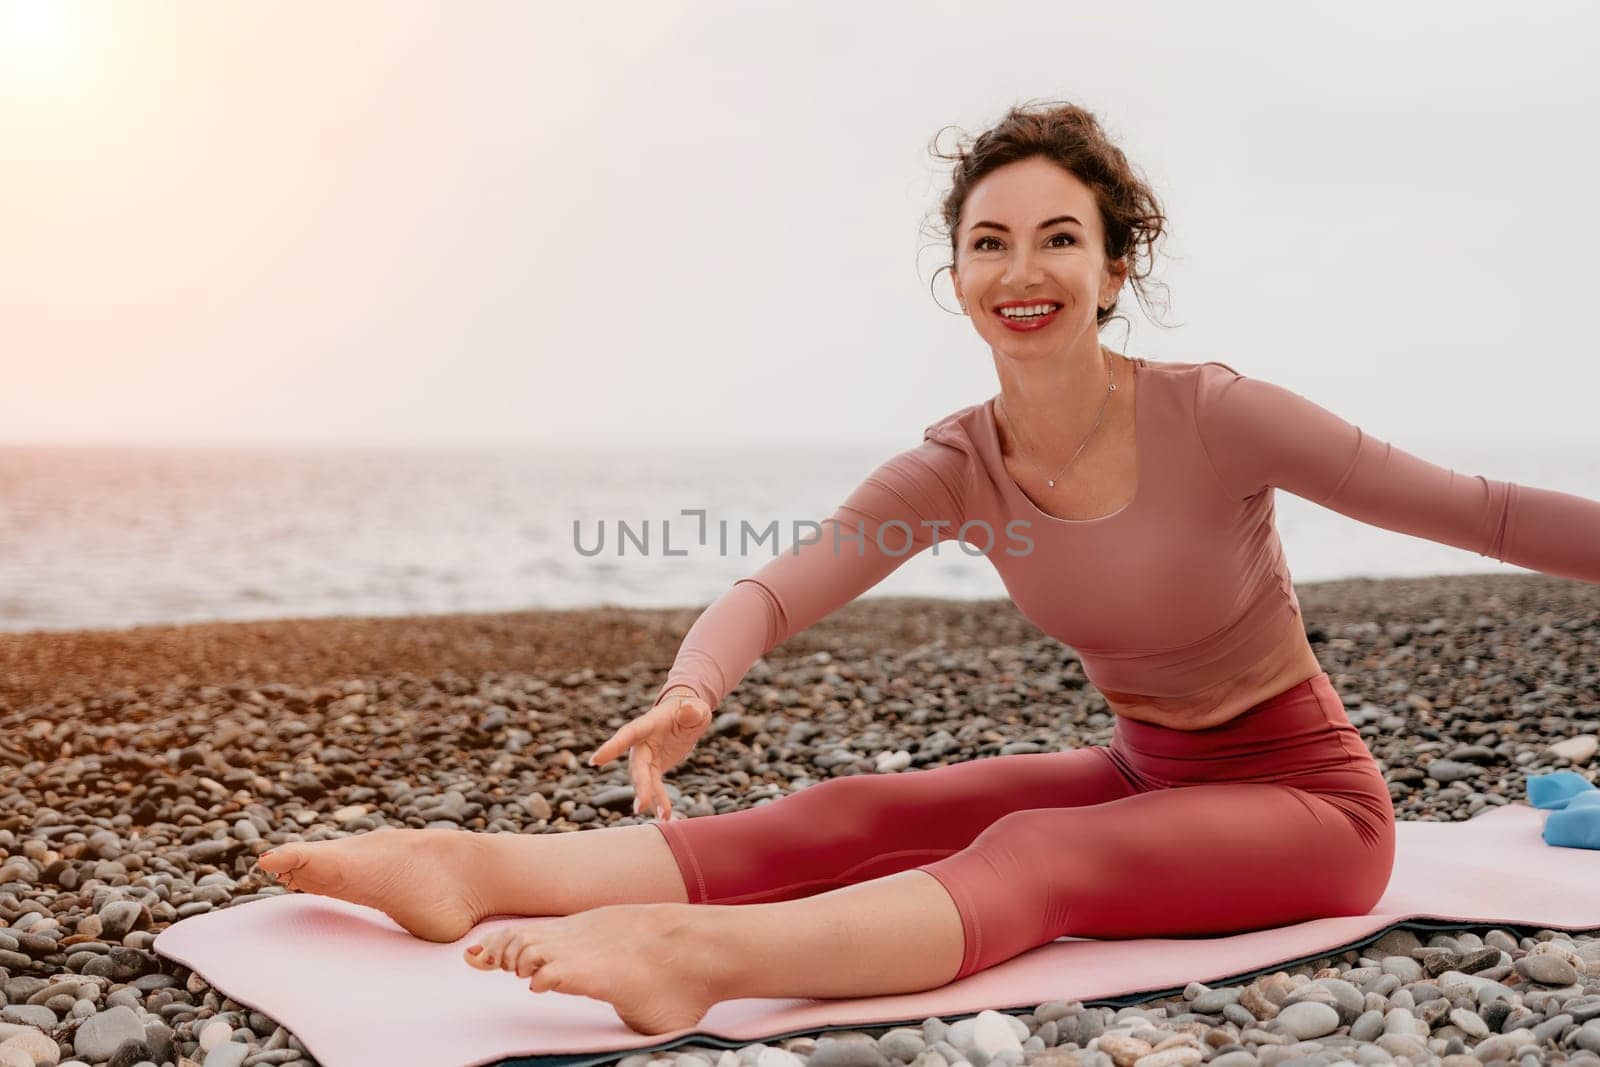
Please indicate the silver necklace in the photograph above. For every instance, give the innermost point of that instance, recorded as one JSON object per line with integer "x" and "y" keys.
{"x": 1111, "y": 387}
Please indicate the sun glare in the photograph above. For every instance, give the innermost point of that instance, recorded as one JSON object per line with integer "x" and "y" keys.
{"x": 32, "y": 32}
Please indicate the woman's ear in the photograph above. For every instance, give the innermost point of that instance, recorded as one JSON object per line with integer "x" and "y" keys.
{"x": 1118, "y": 272}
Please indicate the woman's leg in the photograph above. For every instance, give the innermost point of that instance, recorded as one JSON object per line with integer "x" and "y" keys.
{"x": 849, "y": 830}
{"x": 438, "y": 884}
{"x": 813, "y": 893}
{"x": 1200, "y": 860}
{"x": 1277, "y": 816}
{"x": 1203, "y": 860}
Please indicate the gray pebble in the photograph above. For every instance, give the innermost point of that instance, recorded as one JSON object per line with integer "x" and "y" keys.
{"x": 1469, "y": 1023}
{"x": 1447, "y": 770}
{"x": 1307, "y": 1019}
{"x": 1547, "y": 969}
{"x": 1367, "y": 1026}
{"x": 97, "y": 1038}
{"x": 1237, "y": 1058}
{"x": 834, "y": 1053}
{"x": 902, "y": 1044}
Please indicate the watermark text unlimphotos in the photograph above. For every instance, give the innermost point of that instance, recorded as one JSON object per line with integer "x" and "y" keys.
{"x": 893, "y": 538}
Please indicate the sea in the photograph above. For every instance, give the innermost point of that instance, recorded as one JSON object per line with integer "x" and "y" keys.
{"x": 104, "y": 537}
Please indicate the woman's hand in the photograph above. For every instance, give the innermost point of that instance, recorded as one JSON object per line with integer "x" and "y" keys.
{"x": 656, "y": 742}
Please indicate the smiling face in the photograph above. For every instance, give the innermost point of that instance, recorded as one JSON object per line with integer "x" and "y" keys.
{"x": 1030, "y": 233}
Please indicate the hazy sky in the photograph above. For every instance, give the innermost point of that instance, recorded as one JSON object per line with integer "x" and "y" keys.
{"x": 387, "y": 222}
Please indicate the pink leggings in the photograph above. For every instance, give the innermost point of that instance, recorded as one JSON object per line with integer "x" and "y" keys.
{"x": 1278, "y": 816}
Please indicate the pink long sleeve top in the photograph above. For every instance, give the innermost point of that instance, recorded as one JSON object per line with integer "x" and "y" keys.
{"x": 1179, "y": 591}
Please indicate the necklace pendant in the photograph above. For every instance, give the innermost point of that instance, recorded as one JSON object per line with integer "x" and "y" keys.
{"x": 1050, "y": 483}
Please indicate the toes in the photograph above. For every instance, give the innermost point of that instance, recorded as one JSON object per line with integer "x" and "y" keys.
{"x": 512, "y": 953}
{"x": 546, "y": 979}
{"x": 281, "y": 859}
{"x": 487, "y": 953}
{"x": 528, "y": 961}
{"x": 293, "y": 867}
{"x": 516, "y": 948}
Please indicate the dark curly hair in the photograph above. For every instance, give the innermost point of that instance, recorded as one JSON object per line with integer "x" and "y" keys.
{"x": 1071, "y": 137}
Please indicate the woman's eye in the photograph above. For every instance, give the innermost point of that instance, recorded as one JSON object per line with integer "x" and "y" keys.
{"x": 978, "y": 244}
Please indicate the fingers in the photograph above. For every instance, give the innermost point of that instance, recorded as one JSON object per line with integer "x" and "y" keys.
{"x": 688, "y": 718}
{"x": 623, "y": 739}
{"x": 642, "y": 769}
{"x": 659, "y": 802}
{"x": 637, "y": 776}
{"x": 691, "y": 713}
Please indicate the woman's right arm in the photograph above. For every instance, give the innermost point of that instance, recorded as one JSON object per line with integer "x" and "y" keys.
{"x": 913, "y": 499}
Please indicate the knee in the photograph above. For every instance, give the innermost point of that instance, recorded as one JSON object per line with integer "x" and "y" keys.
{"x": 827, "y": 798}
{"x": 869, "y": 804}
{"x": 1042, "y": 847}
{"x": 1019, "y": 884}
{"x": 1038, "y": 826}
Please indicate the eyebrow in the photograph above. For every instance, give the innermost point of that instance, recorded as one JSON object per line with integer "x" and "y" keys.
{"x": 1006, "y": 229}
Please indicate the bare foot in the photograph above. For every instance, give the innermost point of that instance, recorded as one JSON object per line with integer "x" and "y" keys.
{"x": 648, "y": 961}
{"x": 422, "y": 879}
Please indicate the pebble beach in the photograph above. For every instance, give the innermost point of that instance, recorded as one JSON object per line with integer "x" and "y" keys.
{"x": 142, "y": 772}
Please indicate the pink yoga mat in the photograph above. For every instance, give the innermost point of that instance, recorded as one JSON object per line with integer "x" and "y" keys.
{"x": 356, "y": 989}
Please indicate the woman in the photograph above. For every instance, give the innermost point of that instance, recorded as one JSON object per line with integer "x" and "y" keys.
{"x": 1128, "y": 507}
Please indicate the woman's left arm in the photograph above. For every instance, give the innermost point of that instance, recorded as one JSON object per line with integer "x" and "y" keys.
{"x": 1256, "y": 434}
